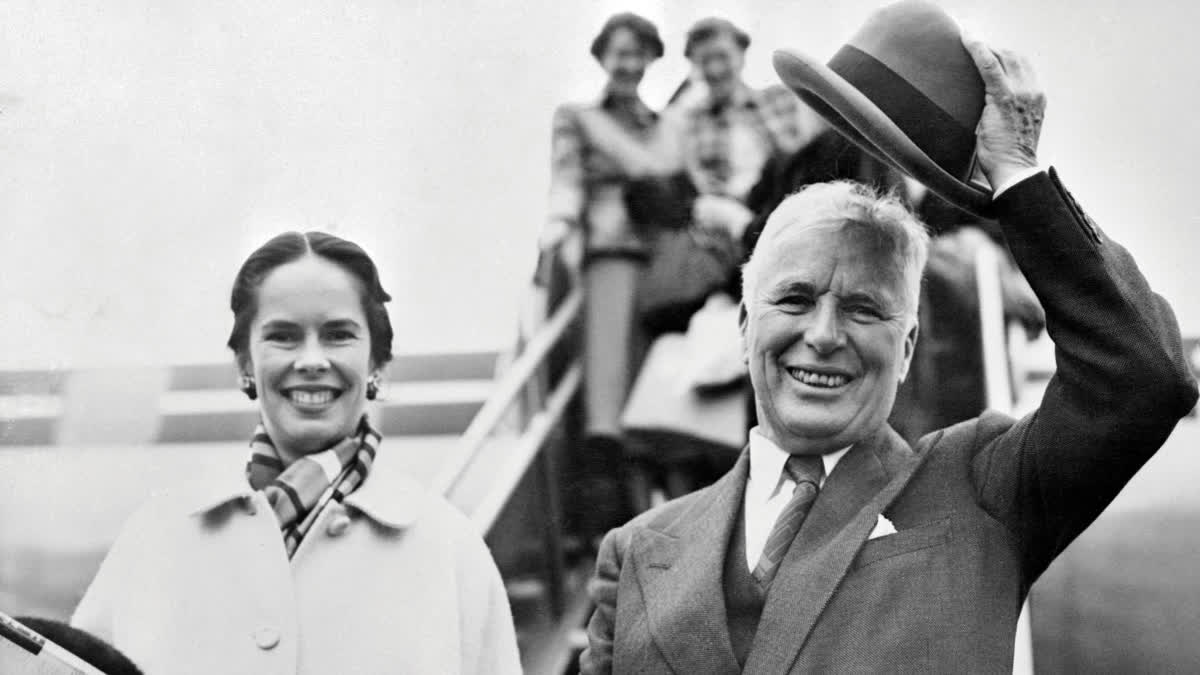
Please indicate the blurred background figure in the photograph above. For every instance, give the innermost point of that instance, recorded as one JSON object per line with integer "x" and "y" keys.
{"x": 323, "y": 556}
{"x": 149, "y": 151}
{"x": 596, "y": 149}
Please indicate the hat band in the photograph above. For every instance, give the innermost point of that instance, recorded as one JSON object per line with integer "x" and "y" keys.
{"x": 932, "y": 129}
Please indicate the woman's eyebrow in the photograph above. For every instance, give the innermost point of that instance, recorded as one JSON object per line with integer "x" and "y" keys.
{"x": 342, "y": 323}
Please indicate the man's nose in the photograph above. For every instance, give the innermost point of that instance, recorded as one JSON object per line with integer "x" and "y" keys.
{"x": 312, "y": 357}
{"x": 824, "y": 333}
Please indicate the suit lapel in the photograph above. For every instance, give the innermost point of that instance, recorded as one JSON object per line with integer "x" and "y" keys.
{"x": 679, "y": 568}
{"x": 864, "y": 483}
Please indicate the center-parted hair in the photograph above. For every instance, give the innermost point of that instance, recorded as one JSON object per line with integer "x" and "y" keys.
{"x": 835, "y": 204}
{"x": 292, "y": 246}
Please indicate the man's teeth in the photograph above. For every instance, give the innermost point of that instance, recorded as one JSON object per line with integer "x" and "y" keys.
{"x": 311, "y": 397}
{"x": 817, "y": 379}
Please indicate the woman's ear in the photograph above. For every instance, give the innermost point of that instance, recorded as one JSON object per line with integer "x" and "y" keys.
{"x": 374, "y": 383}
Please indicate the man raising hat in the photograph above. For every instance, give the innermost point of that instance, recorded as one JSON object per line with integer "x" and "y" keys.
{"x": 833, "y": 545}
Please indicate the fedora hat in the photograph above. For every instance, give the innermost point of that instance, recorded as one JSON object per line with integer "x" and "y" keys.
{"x": 905, "y": 90}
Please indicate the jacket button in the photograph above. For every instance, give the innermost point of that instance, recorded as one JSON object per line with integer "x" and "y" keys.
{"x": 338, "y": 524}
{"x": 266, "y": 638}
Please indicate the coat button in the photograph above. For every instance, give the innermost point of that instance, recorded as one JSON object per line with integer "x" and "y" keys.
{"x": 266, "y": 638}
{"x": 338, "y": 524}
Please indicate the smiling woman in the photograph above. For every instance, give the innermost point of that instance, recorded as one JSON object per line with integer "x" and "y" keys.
{"x": 321, "y": 554}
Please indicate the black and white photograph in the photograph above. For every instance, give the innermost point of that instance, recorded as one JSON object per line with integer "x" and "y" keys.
{"x": 599, "y": 336}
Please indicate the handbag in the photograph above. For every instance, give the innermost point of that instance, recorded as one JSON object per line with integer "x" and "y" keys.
{"x": 686, "y": 266}
{"x": 670, "y": 420}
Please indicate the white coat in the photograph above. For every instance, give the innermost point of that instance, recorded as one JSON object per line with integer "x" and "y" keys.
{"x": 393, "y": 581}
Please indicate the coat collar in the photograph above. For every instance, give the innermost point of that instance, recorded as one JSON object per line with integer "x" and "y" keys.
{"x": 679, "y": 563}
{"x": 388, "y": 496}
{"x": 679, "y": 567}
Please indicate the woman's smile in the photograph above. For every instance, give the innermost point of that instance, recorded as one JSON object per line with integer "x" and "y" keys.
{"x": 311, "y": 399}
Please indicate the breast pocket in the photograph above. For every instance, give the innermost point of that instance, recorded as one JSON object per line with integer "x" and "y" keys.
{"x": 903, "y": 542}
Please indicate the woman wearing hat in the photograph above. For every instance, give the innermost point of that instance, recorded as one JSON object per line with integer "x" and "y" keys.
{"x": 318, "y": 555}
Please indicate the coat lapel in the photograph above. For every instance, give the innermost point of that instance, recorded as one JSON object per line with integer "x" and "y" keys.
{"x": 679, "y": 568}
{"x": 864, "y": 483}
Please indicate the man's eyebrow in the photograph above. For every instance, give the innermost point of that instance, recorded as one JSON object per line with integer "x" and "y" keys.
{"x": 792, "y": 286}
{"x": 862, "y": 296}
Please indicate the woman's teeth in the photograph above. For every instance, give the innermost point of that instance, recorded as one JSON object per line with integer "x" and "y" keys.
{"x": 310, "y": 397}
{"x": 817, "y": 379}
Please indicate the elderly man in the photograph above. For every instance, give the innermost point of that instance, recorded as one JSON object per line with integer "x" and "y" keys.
{"x": 834, "y": 546}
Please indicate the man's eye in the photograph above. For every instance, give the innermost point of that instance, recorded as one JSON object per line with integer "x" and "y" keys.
{"x": 865, "y": 312}
{"x": 795, "y": 302}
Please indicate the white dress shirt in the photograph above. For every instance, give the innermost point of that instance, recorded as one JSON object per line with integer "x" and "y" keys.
{"x": 768, "y": 490}
{"x": 1016, "y": 178}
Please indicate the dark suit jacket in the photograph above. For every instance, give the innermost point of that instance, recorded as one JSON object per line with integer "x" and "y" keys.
{"x": 980, "y": 508}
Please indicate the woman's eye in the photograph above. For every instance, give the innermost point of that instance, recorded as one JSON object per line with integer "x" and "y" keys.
{"x": 279, "y": 336}
{"x": 340, "y": 335}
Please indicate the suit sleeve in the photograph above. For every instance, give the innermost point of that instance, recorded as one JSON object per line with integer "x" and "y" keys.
{"x": 1121, "y": 381}
{"x": 602, "y": 588}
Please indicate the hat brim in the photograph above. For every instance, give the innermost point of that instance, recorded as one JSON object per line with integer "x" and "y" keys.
{"x": 860, "y": 120}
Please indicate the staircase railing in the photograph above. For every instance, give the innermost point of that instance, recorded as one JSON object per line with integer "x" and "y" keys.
{"x": 999, "y": 395}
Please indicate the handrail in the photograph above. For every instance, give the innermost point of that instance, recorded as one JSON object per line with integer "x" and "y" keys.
{"x": 485, "y": 513}
{"x": 998, "y": 390}
{"x": 511, "y": 384}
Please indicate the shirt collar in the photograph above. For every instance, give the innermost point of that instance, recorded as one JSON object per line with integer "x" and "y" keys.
{"x": 766, "y": 465}
{"x": 389, "y": 496}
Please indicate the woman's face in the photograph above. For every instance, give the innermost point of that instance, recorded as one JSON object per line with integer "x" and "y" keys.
{"x": 310, "y": 355}
{"x": 625, "y": 59}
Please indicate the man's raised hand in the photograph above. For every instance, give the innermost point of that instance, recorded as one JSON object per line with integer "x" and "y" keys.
{"x": 1012, "y": 115}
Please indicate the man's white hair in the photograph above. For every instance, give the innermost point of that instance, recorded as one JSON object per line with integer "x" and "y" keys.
{"x": 833, "y": 205}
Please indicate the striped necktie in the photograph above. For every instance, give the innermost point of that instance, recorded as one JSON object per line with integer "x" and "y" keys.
{"x": 806, "y": 471}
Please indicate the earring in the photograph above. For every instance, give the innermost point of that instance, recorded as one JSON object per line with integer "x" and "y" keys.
{"x": 248, "y": 388}
{"x": 372, "y": 387}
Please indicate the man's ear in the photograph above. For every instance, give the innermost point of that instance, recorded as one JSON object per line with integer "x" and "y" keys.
{"x": 910, "y": 345}
{"x": 743, "y": 320}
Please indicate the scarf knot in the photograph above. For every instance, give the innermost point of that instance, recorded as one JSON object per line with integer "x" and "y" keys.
{"x": 299, "y": 492}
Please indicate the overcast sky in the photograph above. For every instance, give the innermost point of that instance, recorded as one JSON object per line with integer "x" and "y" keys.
{"x": 146, "y": 146}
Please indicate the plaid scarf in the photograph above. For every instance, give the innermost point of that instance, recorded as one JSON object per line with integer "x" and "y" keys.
{"x": 299, "y": 492}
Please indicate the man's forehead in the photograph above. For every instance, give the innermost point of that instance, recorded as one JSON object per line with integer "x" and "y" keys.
{"x": 854, "y": 257}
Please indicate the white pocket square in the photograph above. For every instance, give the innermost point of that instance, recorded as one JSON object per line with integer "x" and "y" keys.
{"x": 883, "y": 527}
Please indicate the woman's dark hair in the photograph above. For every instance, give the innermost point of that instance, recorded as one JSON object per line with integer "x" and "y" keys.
{"x": 291, "y": 246}
{"x": 645, "y": 32}
{"x": 707, "y": 29}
